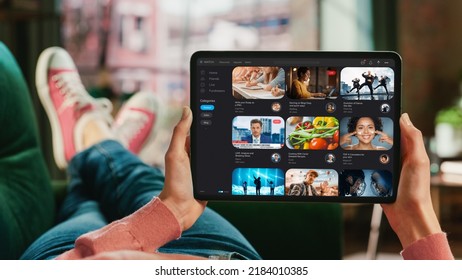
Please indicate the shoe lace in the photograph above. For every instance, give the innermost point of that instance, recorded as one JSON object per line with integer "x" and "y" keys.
{"x": 75, "y": 94}
{"x": 131, "y": 126}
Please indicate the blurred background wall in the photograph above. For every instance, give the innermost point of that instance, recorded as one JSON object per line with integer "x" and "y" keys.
{"x": 431, "y": 49}
{"x": 123, "y": 46}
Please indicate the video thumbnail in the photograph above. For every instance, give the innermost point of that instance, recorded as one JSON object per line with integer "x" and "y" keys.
{"x": 367, "y": 83}
{"x": 311, "y": 182}
{"x": 312, "y": 133}
{"x": 258, "y": 132}
{"x": 366, "y": 133}
{"x": 367, "y": 183}
{"x": 259, "y": 82}
{"x": 258, "y": 181}
{"x": 312, "y": 83}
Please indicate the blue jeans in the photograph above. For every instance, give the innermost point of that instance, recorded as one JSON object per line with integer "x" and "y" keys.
{"x": 107, "y": 183}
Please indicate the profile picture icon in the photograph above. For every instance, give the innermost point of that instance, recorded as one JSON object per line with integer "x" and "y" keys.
{"x": 385, "y": 108}
{"x": 276, "y": 106}
{"x": 384, "y": 159}
{"x": 275, "y": 157}
{"x": 330, "y": 107}
{"x": 330, "y": 158}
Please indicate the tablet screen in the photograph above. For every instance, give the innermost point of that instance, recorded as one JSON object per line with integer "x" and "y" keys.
{"x": 295, "y": 126}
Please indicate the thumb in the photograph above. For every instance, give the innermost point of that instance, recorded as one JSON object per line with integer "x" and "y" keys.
{"x": 181, "y": 131}
{"x": 411, "y": 138}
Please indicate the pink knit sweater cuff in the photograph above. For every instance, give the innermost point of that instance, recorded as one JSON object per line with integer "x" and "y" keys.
{"x": 146, "y": 230}
{"x": 432, "y": 247}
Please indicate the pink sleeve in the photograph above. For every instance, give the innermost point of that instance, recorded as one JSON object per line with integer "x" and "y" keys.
{"x": 432, "y": 247}
{"x": 146, "y": 230}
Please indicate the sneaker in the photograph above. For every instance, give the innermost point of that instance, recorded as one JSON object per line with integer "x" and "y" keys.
{"x": 136, "y": 122}
{"x": 67, "y": 104}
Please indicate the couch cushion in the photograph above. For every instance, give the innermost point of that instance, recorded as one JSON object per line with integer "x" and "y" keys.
{"x": 26, "y": 197}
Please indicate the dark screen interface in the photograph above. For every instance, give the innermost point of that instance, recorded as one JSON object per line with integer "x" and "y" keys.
{"x": 307, "y": 126}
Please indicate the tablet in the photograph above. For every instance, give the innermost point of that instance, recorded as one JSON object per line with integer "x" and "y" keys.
{"x": 296, "y": 126}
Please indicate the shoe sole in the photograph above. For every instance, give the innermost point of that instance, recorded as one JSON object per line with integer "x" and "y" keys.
{"x": 154, "y": 131}
{"x": 41, "y": 83}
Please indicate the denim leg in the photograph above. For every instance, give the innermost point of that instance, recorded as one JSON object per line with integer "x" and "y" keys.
{"x": 121, "y": 184}
{"x": 106, "y": 183}
{"x": 214, "y": 237}
{"x": 86, "y": 217}
{"x": 116, "y": 178}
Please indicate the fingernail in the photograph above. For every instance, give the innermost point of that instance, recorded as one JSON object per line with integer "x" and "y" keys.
{"x": 185, "y": 113}
{"x": 406, "y": 119}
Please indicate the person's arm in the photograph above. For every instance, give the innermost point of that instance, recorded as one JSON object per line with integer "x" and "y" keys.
{"x": 162, "y": 219}
{"x": 255, "y": 82}
{"x": 301, "y": 90}
{"x": 146, "y": 230}
{"x": 324, "y": 186}
{"x": 280, "y": 79}
{"x": 412, "y": 216}
{"x": 434, "y": 247}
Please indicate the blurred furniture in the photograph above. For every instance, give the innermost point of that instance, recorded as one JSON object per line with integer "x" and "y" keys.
{"x": 26, "y": 198}
{"x": 371, "y": 253}
{"x": 445, "y": 193}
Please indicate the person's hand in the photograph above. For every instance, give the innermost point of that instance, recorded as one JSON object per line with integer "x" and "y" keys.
{"x": 412, "y": 216}
{"x": 355, "y": 188}
{"x": 267, "y": 87}
{"x": 324, "y": 186}
{"x": 275, "y": 91}
{"x": 384, "y": 138}
{"x": 295, "y": 120}
{"x": 251, "y": 83}
{"x": 177, "y": 194}
{"x": 318, "y": 94}
{"x": 346, "y": 139}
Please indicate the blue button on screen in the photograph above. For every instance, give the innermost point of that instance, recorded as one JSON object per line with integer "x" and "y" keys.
{"x": 207, "y": 107}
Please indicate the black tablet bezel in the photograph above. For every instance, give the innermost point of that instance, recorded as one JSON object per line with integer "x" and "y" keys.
{"x": 365, "y": 57}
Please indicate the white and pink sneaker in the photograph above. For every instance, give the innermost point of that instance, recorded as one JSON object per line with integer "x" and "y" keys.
{"x": 136, "y": 122}
{"x": 68, "y": 105}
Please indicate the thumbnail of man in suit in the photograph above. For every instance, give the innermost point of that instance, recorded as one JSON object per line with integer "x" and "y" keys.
{"x": 257, "y": 138}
